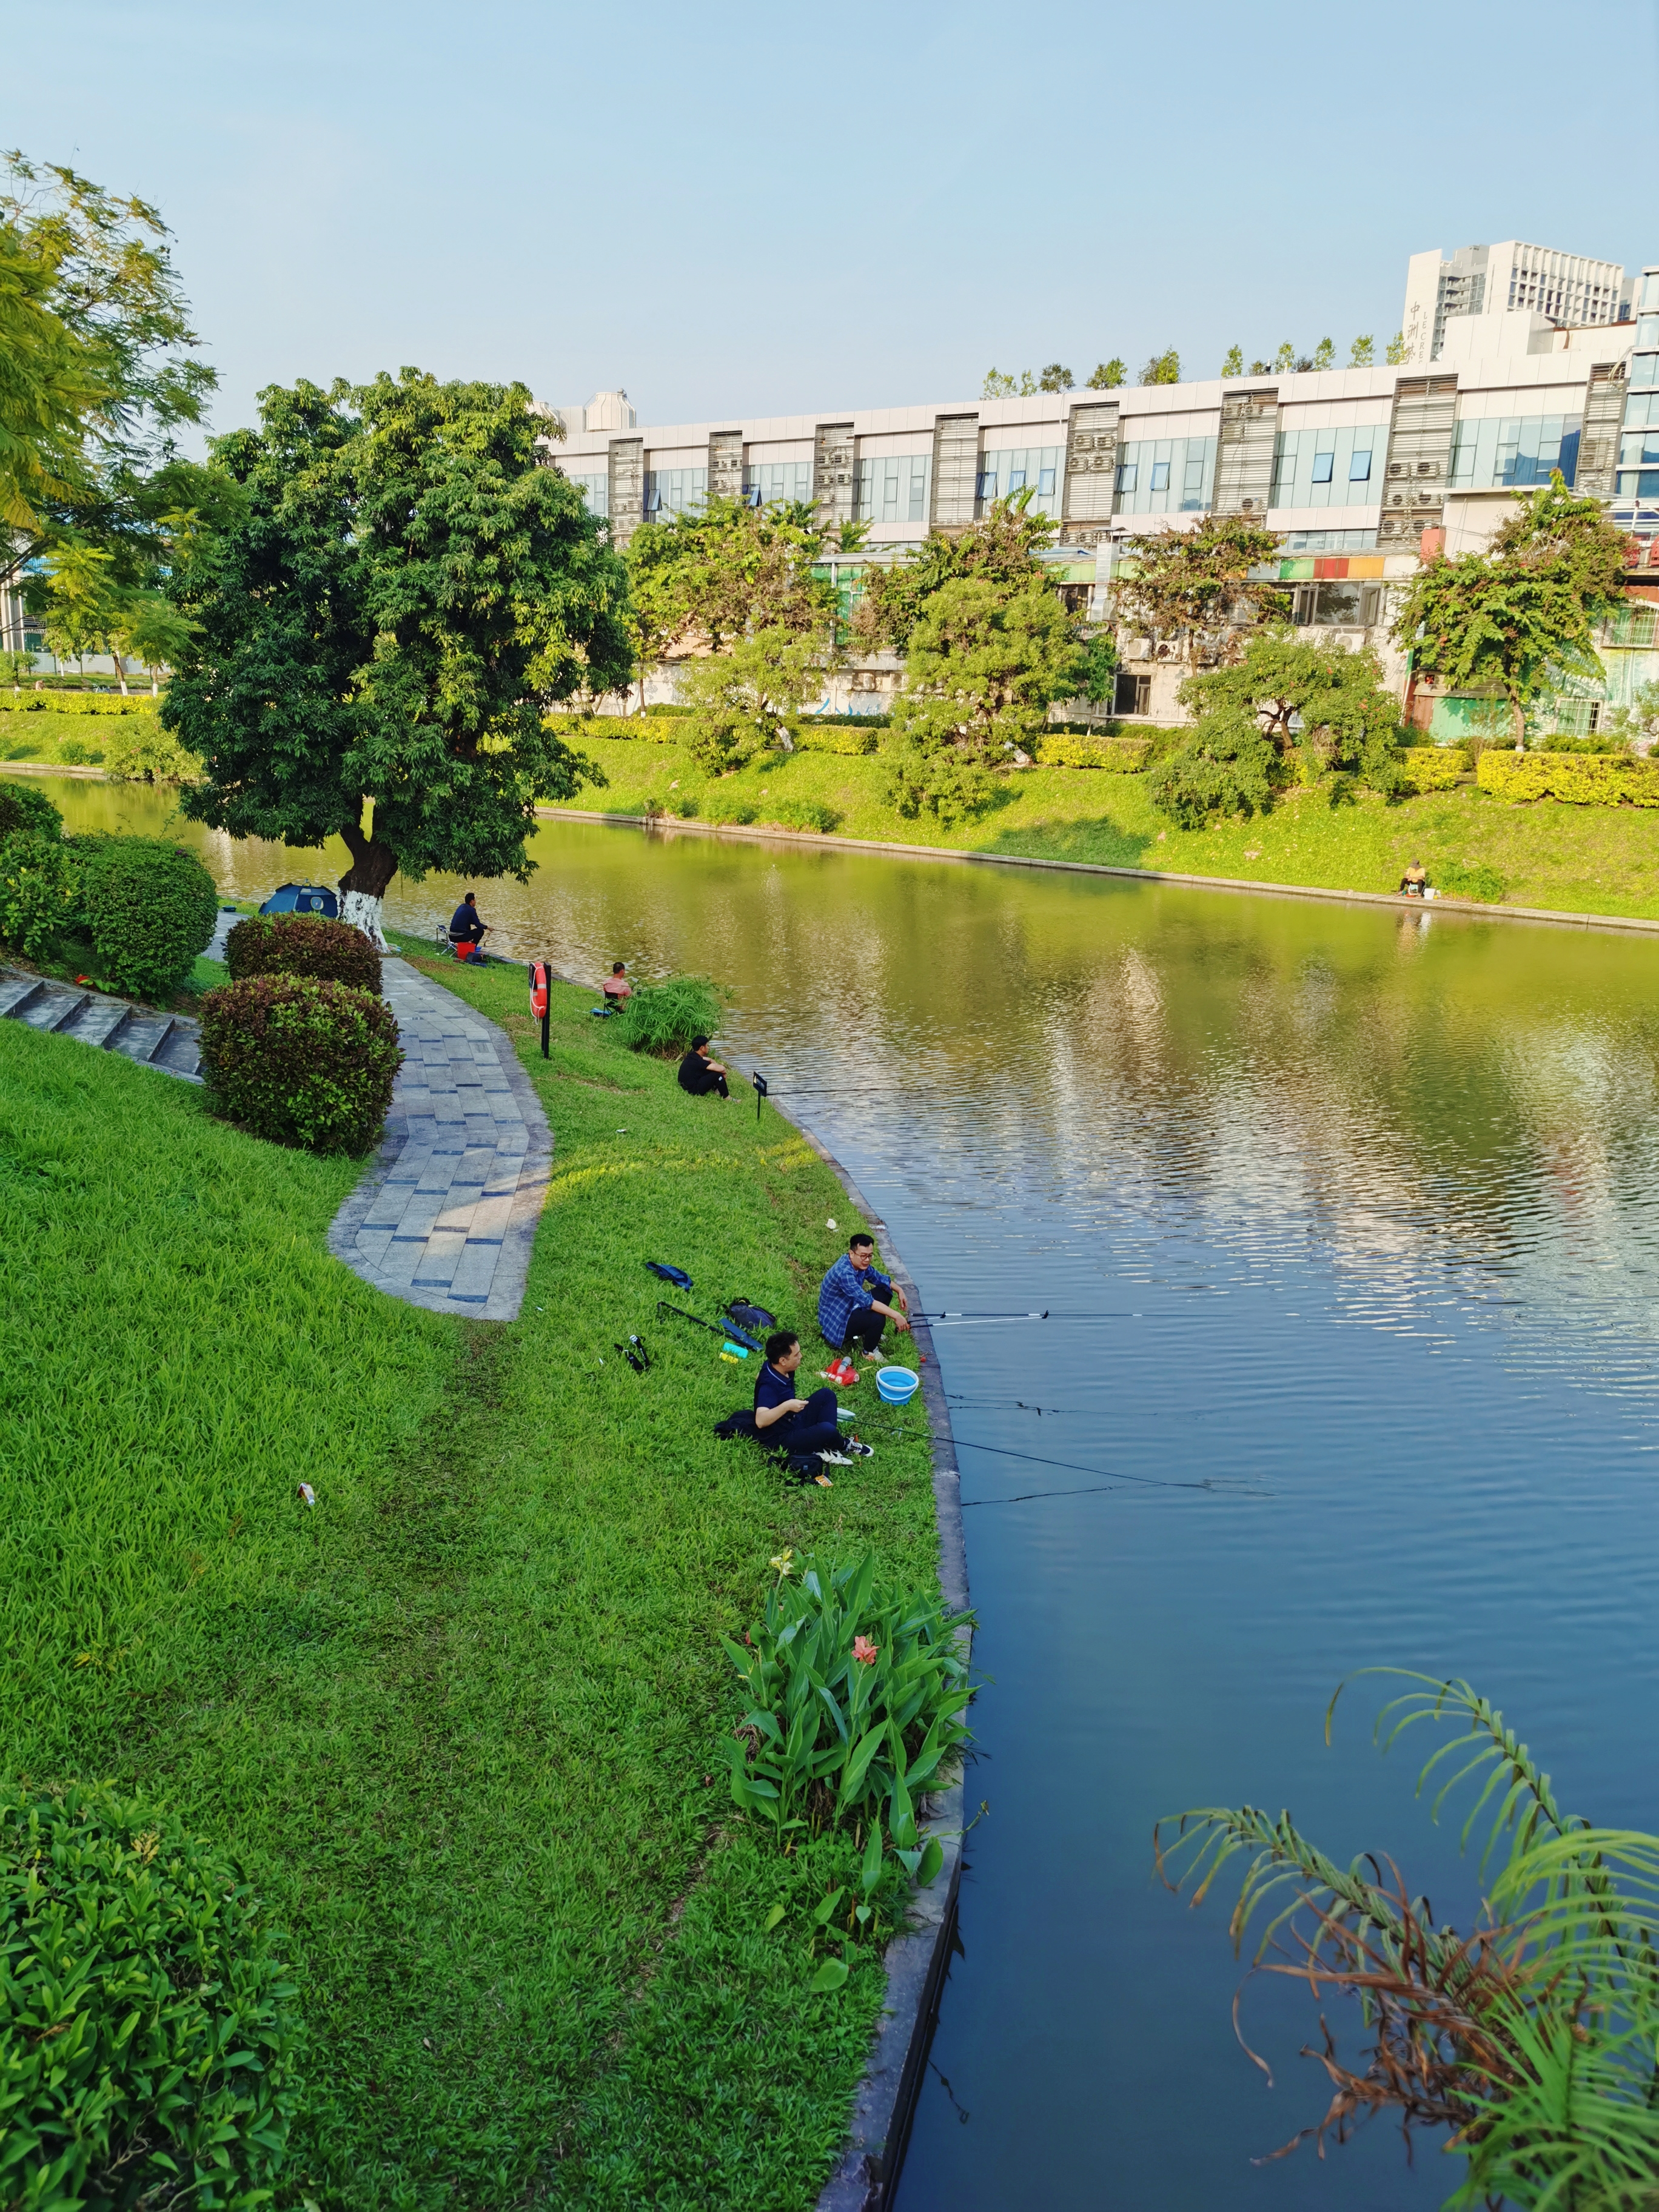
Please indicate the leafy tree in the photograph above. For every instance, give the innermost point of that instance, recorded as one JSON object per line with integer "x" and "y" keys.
{"x": 1261, "y": 368}
{"x": 997, "y": 386}
{"x": 1638, "y": 724}
{"x": 986, "y": 659}
{"x": 1285, "y": 359}
{"x": 714, "y": 575}
{"x": 1363, "y": 353}
{"x": 1002, "y": 546}
{"x": 1163, "y": 368}
{"x": 1514, "y": 620}
{"x": 1194, "y": 590}
{"x": 1108, "y": 375}
{"x": 1324, "y": 354}
{"x": 1055, "y": 379}
{"x": 49, "y": 387}
{"x": 1234, "y": 363}
{"x": 746, "y": 697}
{"x": 405, "y": 593}
{"x": 1226, "y": 766}
{"x": 1396, "y": 353}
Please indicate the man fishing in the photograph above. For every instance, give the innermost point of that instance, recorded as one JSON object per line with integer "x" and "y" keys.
{"x": 805, "y": 1427}
{"x": 467, "y": 930}
{"x": 702, "y": 1077}
{"x": 852, "y": 1299}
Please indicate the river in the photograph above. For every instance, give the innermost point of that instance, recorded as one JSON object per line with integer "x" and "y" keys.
{"x": 1345, "y": 1219}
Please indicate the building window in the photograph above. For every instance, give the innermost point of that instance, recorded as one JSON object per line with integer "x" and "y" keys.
{"x": 1639, "y": 449}
{"x": 765, "y": 482}
{"x": 1126, "y": 474}
{"x": 1035, "y": 469}
{"x": 1645, "y": 369}
{"x": 1513, "y": 450}
{"x": 1160, "y": 476}
{"x": 1045, "y": 483}
{"x": 1360, "y": 465}
{"x": 1323, "y": 464}
{"x": 596, "y": 491}
{"x": 675, "y": 491}
{"x": 1165, "y": 475}
{"x": 1315, "y": 468}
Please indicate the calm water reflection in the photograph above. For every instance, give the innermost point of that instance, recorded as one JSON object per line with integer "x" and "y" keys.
{"x": 1350, "y": 1216}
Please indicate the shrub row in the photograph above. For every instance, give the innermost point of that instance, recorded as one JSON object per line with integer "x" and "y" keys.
{"x": 145, "y": 907}
{"x": 1124, "y": 756}
{"x": 1432, "y": 768}
{"x": 849, "y": 735}
{"x": 1579, "y": 778}
{"x": 300, "y": 1061}
{"x": 302, "y": 945}
{"x": 75, "y": 703}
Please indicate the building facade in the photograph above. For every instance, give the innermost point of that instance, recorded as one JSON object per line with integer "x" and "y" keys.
{"x": 1358, "y": 471}
{"x": 1569, "y": 290}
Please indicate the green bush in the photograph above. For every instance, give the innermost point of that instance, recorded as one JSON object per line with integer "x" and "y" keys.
{"x": 142, "y": 751}
{"x": 1432, "y": 767}
{"x": 37, "y": 890}
{"x": 146, "y": 2017}
{"x": 74, "y": 702}
{"x": 147, "y": 907}
{"x": 75, "y": 752}
{"x": 299, "y": 1061}
{"x": 805, "y": 814}
{"x": 1459, "y": 880}
{"x": 854, "y": 1697}
{"x": 1603, "y": 779}
{"x": 725, "y": 807}
{"x": 663, "y": 1018}
{"x": 24, "y": 807}
{"x": 1225, "y": 765}
{"x": 302, "y": 945}
{"x": 851, "y": 738}
{"x": 1123, "y": 755}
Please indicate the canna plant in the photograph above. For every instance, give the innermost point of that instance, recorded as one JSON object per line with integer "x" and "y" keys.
{"x": 855, "y": 1697}
{"x": 1535, "y": 2038}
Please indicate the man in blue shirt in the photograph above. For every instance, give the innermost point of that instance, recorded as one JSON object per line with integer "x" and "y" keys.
{"x": 851, "y": 1308}
{"x": 465, "y": 929}
{"x": 805, "y": 1427}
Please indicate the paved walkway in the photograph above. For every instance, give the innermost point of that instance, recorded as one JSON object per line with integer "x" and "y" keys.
{"x": 446, "y": 1215}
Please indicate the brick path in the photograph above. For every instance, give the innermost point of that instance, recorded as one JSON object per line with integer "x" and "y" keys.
{"x": 446, "y": 1215}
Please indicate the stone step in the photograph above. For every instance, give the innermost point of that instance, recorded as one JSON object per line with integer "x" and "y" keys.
{"x": 16, "y": 991}
{"x": 179, "y": 1052}
{"x": 97, "y": 1021}
{"x": 50, "y": 1008}
{"x": 169, "y": 1043}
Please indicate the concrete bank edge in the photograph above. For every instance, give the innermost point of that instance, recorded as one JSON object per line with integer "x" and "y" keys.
{"x": 818, "y": 840}
{"x": 916, "y": 1960}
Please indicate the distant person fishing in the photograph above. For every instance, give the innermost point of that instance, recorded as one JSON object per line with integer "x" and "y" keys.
{"x": 853, "y": 1308}
{"x": 467, "y": 930}
{"x": 615, "y": 988}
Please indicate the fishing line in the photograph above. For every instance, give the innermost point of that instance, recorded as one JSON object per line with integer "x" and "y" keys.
{"x": 1220, "y": 1485}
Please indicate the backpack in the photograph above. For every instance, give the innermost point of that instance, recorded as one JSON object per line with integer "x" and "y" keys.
{"x": 749, "y": 1322}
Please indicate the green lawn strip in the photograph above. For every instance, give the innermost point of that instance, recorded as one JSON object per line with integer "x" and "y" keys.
{"x": 456, "y": 1721}
{"x": 1571, "y": 858}
{"x": 41, "y": 735}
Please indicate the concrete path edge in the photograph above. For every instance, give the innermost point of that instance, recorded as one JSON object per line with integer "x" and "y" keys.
{"x": 885, "y": 2102}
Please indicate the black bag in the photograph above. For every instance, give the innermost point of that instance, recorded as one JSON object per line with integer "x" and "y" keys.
{"x": 754, "y": 1319}
{"x": 740, "y": 1423}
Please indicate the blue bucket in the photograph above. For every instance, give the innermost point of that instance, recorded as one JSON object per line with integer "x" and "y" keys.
{"x": 897, "y": 1385}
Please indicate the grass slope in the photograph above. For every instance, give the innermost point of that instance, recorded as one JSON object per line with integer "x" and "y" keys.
{"x": 66, "y": 739}
{"x": 1575, "y": 859}
{"x": 457, "y": 1721}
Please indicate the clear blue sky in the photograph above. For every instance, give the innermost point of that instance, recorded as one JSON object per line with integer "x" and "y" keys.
{"x": 736, "y": 209}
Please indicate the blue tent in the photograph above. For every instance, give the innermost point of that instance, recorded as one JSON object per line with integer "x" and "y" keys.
{"x": 303, "y": 898}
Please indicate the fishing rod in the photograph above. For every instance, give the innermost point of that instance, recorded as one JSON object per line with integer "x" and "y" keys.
{"x": 1217, "y": 1485}
{"x": 729, "y": 1330}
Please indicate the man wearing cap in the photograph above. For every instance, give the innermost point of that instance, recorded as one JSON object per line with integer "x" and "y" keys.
{"x": 700, "y": 1076}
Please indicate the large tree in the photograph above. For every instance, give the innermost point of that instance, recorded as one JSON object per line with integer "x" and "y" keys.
{"x": 1000, "y": 548}
{"x": 405, "y": 591}
{"x": 1514, "y": 621}
{"x": 1197, "y": 591}
{"x": 726, "y": 570}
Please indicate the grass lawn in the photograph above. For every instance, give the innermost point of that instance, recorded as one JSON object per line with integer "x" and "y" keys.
{"x": 69, "y": 740}
{"x": 1576, "y": 859}
{"x": 457, "y": 1722}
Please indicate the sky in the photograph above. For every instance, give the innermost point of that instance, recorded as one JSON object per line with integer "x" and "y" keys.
{"x": 736, "y": 210}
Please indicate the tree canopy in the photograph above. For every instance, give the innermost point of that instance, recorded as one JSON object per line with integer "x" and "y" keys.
{"x": 1194, "y": 590}
{"x": 1517, "y": 619}
{"x": 403, "y": 591}
{"x": 719, "y": 572}
{"x": 1002, "y": 546}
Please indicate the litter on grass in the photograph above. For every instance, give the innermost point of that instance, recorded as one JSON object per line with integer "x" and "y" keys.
{"x": 307, "y": 1495}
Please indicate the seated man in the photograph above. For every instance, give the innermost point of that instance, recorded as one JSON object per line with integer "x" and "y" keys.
{"x": 804, "y": 1427}
{"x": 699, "y": 1074}
{"x": 616, "y": 986}
{"x": 466, "y": 929}
{"x": 1413, "y": 883}
{"x": 851, "y": 1308}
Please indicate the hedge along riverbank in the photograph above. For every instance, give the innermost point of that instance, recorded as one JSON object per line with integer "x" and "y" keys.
{"x": 455, "y": 1721}
{"x": 1570, "y": 858}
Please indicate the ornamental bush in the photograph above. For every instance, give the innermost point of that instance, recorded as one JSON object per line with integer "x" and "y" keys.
{"x": 663, "y": 1018}
{"x": 1579, "y": 779}
{"x": 850, "y": 739}
{"x": 142, "y": 751}
{"x": 74, "y": 702}
{"x": 854, "y": 1697}
{"x": 300, "y": 1061}
{"x": 37, "y": 890}
{"x": 1123, "y": 755}
{"x": 147, "y": 907}
{"x": 23, "y": 807}
{"x": 148, "y": 2023}
{"x": 302, "y": 945}
{"x": 1432, "y": 767}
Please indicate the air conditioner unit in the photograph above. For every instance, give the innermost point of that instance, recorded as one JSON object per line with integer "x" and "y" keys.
{"x": 1400, "y": 467}
{"x": 1428, "y": 468}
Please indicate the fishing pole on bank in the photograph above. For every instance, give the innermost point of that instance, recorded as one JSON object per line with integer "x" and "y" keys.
{"x": 1219, "y": 1486}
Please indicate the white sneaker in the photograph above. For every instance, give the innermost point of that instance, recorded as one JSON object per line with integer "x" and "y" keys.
{"x": 861, "y": 1451}
{"x": 835, "y": 1459}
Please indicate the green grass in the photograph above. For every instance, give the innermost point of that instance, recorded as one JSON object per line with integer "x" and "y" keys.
{"x": 42, "y": 735}
{"x": 457, "y": 1722}
{"x": 1575, "y": 859}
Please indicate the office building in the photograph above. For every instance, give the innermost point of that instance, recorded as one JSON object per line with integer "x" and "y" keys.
{"x": 1566, "y": 289}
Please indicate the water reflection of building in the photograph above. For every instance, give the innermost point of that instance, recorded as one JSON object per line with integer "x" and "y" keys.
{"x": 1361, "y": 470}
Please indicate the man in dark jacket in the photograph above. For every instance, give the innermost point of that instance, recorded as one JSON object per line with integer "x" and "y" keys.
{"x": 699, "y": 1074}
{"x": 466, "y": 929}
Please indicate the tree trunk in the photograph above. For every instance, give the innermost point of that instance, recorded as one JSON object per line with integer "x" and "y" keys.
{"x": 1518, "y": 721}
{"x": 364, "y": 883}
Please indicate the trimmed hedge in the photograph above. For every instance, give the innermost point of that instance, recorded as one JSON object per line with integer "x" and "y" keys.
{"x": 301, "y": 1062}
{"x": 850, "y": 735}
{"x": 146, "y": 2016}
{"x": 1123, "y": 755}
{"x": 302, "y": 945}
{"x": 148, "y": 908}
{"x": 74, "y": 702}
{"x": 1578, "y": 778}
{"x": 1432, "y": 768}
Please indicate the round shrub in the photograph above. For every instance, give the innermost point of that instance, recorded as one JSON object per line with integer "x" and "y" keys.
{"x": 148, "y": 908}
{"x": 23, "y": 807}
{"x": 37, "y": 890}
{"x": 146, "y": 2016}
{"x": 300, "y": 1062}
{"x": 302, "y": 945}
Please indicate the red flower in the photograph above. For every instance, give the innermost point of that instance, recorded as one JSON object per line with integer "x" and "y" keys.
{"x": 864, "y": 1652}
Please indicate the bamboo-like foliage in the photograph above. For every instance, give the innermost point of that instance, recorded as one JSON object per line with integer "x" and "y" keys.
{"x": 1534, "y": 2037}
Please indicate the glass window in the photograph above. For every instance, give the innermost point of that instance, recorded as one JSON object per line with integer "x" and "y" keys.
{"x": 1160, "y": 476}
{"x": 1639, "y": 449}
{"x": 1127, "y": 475}
{"x": 1016, "y": 480}
{"x": 1644, "y": 369}
{"x": 1649, "y": 291}
{"x": 1647, "y": 330}
{"x": 1322, "y": 465}
{"x": 1360, "y": 465}
{"x": 1045, "y": 483}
